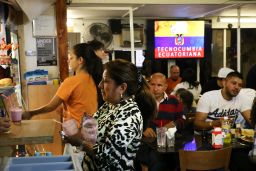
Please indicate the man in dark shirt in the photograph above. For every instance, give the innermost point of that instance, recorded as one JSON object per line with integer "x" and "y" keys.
{"x": 216, "y": 82}
{"x": 250, "y": 79}
{"x": 170, "y": 114}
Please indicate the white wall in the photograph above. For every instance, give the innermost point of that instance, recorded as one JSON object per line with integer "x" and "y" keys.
{"x": 81, "y": 26}
{"x": 30, "y": 62}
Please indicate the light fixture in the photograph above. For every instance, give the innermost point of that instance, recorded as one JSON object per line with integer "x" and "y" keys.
{"x": 235, "y": 19}
{"x": 70, "y": 23}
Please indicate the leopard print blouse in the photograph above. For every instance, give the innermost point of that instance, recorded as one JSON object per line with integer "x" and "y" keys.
{"x": 119, "y": 135}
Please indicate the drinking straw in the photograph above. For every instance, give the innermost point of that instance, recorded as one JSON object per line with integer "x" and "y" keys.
{"x": 57, "y": 121}
{"x": 8, "y": 98}
{"x": 23, "y": 103}
{"x": 5, "y": 108}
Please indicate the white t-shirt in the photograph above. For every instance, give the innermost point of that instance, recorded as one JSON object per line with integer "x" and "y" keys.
{"x": 216, "y": 106}
{"x": 249, "y": 94}
{"x": 194, "y": 90}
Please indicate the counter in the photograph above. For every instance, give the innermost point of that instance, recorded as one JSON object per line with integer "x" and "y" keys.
{"x": 28, "y": 132}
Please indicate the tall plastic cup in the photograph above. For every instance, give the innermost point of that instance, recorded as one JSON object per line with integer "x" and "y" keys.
{"x": 161, "y": 137}
{"x": 70, "y": 127}
{"x": 16, "y": 114}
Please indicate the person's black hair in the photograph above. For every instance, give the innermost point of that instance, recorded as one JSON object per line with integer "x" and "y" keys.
{"x": 146, "y": 68}
{"x": 92, "y": 64}
{"x": 96, "y": 45}
{"x": 186, "y": 97}
{"x": 234, "y": 74}
{"x": 122, "y": 71}
{"x": 189, "y": 76}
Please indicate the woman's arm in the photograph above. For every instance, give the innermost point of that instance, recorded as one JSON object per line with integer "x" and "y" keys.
{"x": 52, "y": 105}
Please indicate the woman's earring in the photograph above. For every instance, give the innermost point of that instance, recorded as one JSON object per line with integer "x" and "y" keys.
{"x": 121, "y": 96}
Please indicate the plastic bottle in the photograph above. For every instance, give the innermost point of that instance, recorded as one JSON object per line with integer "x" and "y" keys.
{"x": 225, "y": 125}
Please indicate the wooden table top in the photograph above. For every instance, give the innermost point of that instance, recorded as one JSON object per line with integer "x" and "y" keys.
{"x": 29, "y": 132}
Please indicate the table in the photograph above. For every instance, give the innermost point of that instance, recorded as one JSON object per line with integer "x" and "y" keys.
{"x": 170, "y": 157}
{"x": 28, "y": 132}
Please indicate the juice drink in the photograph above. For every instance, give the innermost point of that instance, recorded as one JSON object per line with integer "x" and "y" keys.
{"x": 225, "y": 125}
{"x": 16, "y": 114}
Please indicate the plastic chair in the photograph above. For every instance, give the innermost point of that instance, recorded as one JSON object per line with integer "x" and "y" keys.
{"x": 205, "y": 160}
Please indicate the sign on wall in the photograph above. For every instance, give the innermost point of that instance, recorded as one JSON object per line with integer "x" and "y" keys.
{"x": 46, "y": 51}
{"x": 44, "y": 26}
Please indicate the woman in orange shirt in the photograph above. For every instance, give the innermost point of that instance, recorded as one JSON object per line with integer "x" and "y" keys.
{"x": 77, "y": 93}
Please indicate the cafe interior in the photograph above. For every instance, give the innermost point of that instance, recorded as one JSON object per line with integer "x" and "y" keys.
{"x": 37, "y": 37}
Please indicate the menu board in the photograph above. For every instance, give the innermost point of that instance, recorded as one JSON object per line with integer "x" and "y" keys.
{"x": 46, "y": 51}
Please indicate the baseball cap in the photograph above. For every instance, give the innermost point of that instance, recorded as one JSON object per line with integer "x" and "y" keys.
{"x": 223, "y": 72}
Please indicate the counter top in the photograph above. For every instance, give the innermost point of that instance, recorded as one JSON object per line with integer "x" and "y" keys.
{"x": 29, "y": 132}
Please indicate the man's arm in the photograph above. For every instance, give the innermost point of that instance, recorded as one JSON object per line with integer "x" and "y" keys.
{"x": 247, "y": 116}
{"x": 201, "y": 123}
{"x": 149, "y": 132}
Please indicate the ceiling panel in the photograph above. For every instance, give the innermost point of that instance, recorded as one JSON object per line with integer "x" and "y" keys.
{"x": 190, "y": 11}
{"x": 177, "y": 11}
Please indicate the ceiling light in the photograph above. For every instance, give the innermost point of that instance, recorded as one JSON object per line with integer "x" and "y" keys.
{"x": 70, "y": 23}
{"x": 235, "y": 19}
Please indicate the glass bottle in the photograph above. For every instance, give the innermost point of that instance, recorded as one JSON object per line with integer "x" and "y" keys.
{"x": 225, "y": 125}
{"x": 238, "y": 130}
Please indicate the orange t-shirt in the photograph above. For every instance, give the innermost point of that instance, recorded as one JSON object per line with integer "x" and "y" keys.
{"x": 79, "y": 95}
{"x": 171, "y": 84}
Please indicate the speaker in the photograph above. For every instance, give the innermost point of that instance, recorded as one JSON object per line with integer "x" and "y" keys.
{"x": 115, "y": 26}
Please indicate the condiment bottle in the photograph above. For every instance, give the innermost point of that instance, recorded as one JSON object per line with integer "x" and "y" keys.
{"x": 217, "y": 138}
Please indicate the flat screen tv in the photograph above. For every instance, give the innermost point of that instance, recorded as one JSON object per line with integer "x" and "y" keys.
{"x": 179, "y": 39}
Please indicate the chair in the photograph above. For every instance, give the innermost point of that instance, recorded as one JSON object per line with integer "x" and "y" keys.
{"x": 205, "y": 160}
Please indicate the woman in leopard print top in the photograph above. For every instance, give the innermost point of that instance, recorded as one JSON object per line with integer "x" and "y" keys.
{"x": 119, "y": 134}
{"x": 127, "y": 109}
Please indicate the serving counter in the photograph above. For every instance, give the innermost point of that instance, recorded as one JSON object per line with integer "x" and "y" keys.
{"x": 27, "y": 132}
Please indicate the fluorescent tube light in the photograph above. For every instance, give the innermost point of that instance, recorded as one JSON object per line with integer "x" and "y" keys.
{"x": 70, "y": 23}
{"x": 235, "y": 19}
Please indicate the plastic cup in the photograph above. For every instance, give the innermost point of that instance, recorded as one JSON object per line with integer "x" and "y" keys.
{"x": 70, "y": 127}
{"x": 37, "y": 153}
{"x": 48, "y": 153}
{"x": 89, "y": 129}
{"x": 170, "y": 141}
{"x": 16, "y": 114}
{"x": 161, "y": 137}
{"x": 55, "y": 82}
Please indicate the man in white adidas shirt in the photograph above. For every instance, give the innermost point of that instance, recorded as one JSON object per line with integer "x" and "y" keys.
{"x": 216, "y": 104}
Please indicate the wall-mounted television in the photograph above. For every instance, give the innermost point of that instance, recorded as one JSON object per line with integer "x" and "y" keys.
{"x": 179, "y": 39}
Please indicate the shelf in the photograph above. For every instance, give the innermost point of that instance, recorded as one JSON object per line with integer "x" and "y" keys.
{"x": 138, "y": 37}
